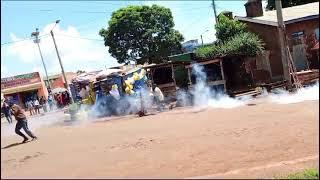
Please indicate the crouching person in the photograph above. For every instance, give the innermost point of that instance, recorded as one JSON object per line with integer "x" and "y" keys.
{"x": 22, "y": 122}
{"x": 159, "y": 98}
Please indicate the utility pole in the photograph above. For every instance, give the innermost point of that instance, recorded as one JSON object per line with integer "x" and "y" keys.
{"x": 201, "y": 40}
{"x": 283, "y": 43}
{"x": 37, "y": 41}
{"x": 201, "y": 36}
{"x": 63, "y": 74}
{"x": 215, "y": 11}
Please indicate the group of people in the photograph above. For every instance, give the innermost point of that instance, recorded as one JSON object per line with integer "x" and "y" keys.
{"x": 34, "y": 105}
{"x": 109, "y": 101}
{"x": 62, "y": 99}
{"x": 9, "y": 108}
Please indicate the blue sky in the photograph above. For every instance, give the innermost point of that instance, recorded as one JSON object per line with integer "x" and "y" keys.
{"x": 77, "y": 36}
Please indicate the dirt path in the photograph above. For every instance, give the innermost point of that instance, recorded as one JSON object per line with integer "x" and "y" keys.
{"x": 241, "y": 142}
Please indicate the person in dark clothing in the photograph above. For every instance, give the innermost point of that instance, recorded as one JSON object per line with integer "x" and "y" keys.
{"x": 68, "y": 98}
{"x": 6, "y": 111}
{"x": 50, "y": 102}
{"x": 43, "y": 103}
{"x": 22, "y": 122}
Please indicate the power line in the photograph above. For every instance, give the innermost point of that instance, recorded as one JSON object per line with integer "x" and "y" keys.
{"x": 26, "y": 39}
{"x": 98, "y": 12}
{"x": 79, "y": 37}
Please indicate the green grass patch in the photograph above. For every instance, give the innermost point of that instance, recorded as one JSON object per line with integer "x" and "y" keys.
{"x": 311, "y": 173}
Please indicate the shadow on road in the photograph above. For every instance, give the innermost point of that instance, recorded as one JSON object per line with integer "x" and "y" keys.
{"x": 13, "y": 145}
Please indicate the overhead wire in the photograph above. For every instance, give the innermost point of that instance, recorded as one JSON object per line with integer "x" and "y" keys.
{"x": 84, "y": 38}
{"x": 25, "y": 39}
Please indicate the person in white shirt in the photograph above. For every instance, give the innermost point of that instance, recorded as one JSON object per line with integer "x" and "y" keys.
{"x": 83, "y": 93}
{"x": 30, "y": 107}
{"x": 159, "y": 97}
{"x": 36, "y": 106}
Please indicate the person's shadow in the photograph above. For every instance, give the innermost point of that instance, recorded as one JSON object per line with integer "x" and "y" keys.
{"x": 14, "y": 144}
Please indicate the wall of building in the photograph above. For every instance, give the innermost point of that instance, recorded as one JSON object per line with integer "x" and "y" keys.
{"x": 309, "y": 28}
{"x": 59, "y": 81}
{"x": 43, "y": 91}
{"x": 270, "y": 36}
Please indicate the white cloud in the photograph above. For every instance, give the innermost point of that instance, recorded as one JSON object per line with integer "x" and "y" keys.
{"x": 24, "y": 50}
{"x": 4, "y": 70}
{"x": 189, "y": 20}
{"x": 75, "y": 53}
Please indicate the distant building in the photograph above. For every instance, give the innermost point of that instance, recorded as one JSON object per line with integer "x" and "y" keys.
{"x": 190, "y": 45}
{"x": 302, "y": 29}
{"x": 58, "y": 81}
{"x": 24, "y": 87}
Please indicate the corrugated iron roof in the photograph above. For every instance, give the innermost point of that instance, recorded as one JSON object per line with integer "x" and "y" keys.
{"x": 290, "y": 15}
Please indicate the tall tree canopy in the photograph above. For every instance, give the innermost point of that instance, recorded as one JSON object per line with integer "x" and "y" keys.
{"x": 143, "y": 33}
{"x": 288, "y": 3}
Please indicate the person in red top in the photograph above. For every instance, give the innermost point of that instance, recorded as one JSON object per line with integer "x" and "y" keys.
{"x": 22, "y": 122}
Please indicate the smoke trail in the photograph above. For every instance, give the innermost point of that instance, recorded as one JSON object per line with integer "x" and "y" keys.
{"x": 183, "y": 98}
{"x": 128, "y": 104}
{"x": 201, "y": 92}
{"x": 203, "y": 96}
{"x": 34, "y": 122}
{"x": 305, "y": 94}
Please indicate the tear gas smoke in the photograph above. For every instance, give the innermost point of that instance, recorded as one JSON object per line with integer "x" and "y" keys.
{"x": 34, "y": 123}
{"x": 203, "y": 96}
{"x": 305, "y": 94}
{"x": 126, "y": 105}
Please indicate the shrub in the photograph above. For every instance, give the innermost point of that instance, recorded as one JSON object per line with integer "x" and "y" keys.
{"x": 243, "y": 44}
{"x": 227, "y": 28}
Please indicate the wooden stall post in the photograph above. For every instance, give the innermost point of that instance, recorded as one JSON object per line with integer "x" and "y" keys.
{"x": 222, "y": 74}
{"x": 173, "y": 77}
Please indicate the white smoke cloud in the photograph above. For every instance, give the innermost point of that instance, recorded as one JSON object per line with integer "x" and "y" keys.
{"x": 203, "y": 96}
{"x": 34, "y": 123}
{"x": 305, "y": 94}
{"x": 126, "y": 105}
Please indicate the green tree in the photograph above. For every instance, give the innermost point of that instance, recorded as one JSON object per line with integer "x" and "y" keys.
{"x": 227, "y": 28}
{"x": 233, "y": 40}
{"x": 271, "y": 5}
{"x": 143, "y": 33}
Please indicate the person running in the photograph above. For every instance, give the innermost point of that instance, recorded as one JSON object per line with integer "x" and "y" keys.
{"x": 6, "y": 111}
{"x": 22, "y": 122}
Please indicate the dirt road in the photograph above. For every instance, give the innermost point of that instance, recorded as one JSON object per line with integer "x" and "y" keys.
{"x": 261, "y": 140}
